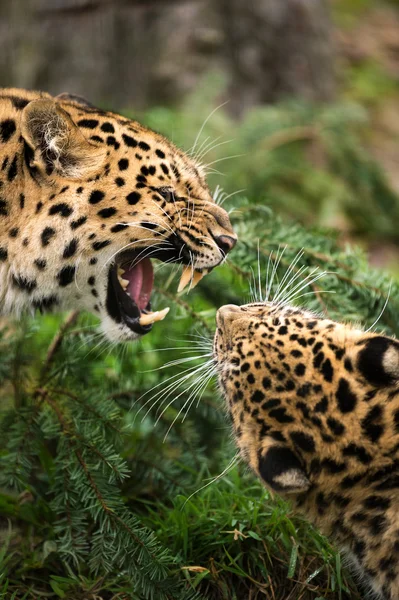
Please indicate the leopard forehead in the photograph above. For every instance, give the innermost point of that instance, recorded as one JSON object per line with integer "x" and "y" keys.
{"x": 79, "y": 185}
{"x": 300, "y": 378}
{"x": 314, "y": 406}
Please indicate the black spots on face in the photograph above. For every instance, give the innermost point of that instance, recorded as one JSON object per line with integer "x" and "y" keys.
{"x": 245, "y": 367}
{"x": 145, "y": 171}
{"x": 78, "y": 222}
{"x": 46, "y": 236}
{"x": 280, "y": 414}
{"x": 349, "y": 482}
{"x": 123, "y": 164}
{"x": 100, "y": 245}
{"x": 396, "y": 420}
{"x": 335, "y": 426}
{"x": 296, "y": 353}
{"x": 96, "y": 196}
{"x": 66, "y": 275}
{"x": 300, "y": 369}
{"x": 92, "y": 236}
{"x": 322, "y": 405}
{"x": 97, "y": 138}
{"x": 251, "y": 379}
{"x": 40, "y": 263}
{"x": 144, "y": 146}
{"x": 93, "y": 261}
{"x": 3, "y": 254}
{"x": 164, "y": 168}
{"x": 318, "y": 359}
{"x": 129, "y": 141}
{"x": 46, "y": 303}
{"x": 371, "y": 361}
{"x": 266, "y": 383}
{"x": 272, "y": 403}
{"x": 79, "y": 190}
{"x": 111, "y": 141}
{"x": 88, "y": 123}
{"x": 327, "y": 370}
{"x": 7, "y": 129}
{"x": 13, "y": 232}
{"x": 289, "y": 386}
{"x": 283, "y": 330}
{"x": 119, "y": 227}
{"x": 176, "y": 172}
{"x": 106, "y": 213}
{"x": 70, "y": 249}
{"x": 133, "y": 198}
{"x": 378, "y": 525}
{"x": 257, "y": 396}
{"x": 159, "y": 153}
{"x": 358, "y": 452}
{"x": 18, "y": 103}
{"x": 3, "y": 207}
{"x": 91, "y": 280}
{"x": 13, "y": 170}
{"x": 304, "y": 390}
{"x": 332, "y": 466}
{"x": 303, "y": 440}
{"x": 317, "y": 347}
{"x": 39, "y": 207}
{"x": 62, "y": 209}
{"x": 23, "y": 283}
{"x": 120, "y": 182}
{"x": 348, "y": 365}
{"x": 346, "y": 399}
{"x": 371, "y": 424}
{"x": 375, "y": 502}
{"x": 107, "y": 127}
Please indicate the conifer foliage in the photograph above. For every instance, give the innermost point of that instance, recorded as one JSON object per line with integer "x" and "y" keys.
{"x": 93, "y": 476}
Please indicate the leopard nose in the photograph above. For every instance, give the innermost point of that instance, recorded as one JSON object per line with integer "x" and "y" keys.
{"x": 226, "y": 242}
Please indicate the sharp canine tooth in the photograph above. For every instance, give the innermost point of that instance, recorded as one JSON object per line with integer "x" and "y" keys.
{"x": 185, "y": 278}
{"x": 198, "y": 275}
{"x": 191, "y": 277}
{"x": 153, "y": 317}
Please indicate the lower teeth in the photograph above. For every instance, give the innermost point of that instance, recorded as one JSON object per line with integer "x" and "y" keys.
{"x": 149, "y": 318}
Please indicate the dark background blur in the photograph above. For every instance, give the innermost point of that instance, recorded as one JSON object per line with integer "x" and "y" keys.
{"x": 143, "y": 52}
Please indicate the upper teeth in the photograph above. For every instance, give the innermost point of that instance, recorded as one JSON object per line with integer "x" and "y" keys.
{"x": 190, "y": 276}
{"x": 123, "y": 282}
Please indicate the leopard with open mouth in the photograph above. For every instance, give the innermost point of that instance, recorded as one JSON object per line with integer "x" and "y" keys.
{"x": 88, "y": 198}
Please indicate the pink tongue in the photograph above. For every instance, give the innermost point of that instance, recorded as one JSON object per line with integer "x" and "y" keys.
{"x": 141, "y": 279}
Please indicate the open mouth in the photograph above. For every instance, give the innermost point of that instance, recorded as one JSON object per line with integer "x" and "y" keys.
{"x": 130, "y": 285}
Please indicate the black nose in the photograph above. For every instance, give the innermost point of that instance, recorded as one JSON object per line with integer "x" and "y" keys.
{"x": 225, "y": 242}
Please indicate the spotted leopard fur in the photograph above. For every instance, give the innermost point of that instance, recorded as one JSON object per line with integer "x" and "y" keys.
{"x": 315, "y": 412}
{"x": 79, "y": 185}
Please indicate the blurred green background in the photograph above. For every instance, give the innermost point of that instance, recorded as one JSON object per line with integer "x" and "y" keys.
{"x": 296, "y": 108}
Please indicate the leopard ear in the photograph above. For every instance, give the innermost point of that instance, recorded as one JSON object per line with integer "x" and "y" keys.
{"x": 66, "y": 97}
{"x": 282, "y": 471}
{"x": 56, "y": 143}
{"x": 378, "y": 360}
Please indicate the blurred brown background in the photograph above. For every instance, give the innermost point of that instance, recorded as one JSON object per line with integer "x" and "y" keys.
{"x": 143, "y": 52}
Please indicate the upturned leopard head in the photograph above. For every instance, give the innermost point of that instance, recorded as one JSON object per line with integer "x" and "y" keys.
{"x": 309, "y": 397}
{"x": 315, "y": 412}
{"x": 87, "y": 199}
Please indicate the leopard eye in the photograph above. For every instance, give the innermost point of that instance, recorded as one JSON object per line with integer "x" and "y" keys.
{"x": 166, "y": 193}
